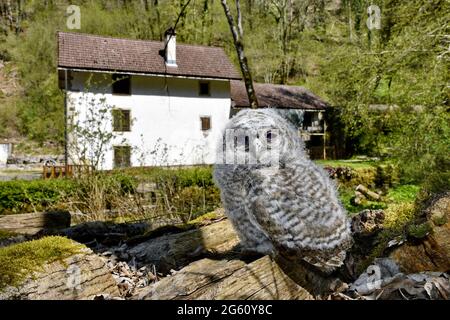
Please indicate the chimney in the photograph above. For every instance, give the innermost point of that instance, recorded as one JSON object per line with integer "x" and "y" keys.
{"x": 170, "y": 54}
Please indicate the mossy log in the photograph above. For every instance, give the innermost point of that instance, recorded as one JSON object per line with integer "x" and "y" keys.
{"x": 432, "y": 251}
{"x": 79, "y": 277}
{"x": 32, "y": 223}
{"x": 225, "y": 280}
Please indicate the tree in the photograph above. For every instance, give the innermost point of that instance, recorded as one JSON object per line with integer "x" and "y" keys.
{"x": 238, "y": 34}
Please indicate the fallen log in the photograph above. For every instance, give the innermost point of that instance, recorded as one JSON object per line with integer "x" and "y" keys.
{"x": 173, "y": 251}
{"x": 224, "y": 280}
{"x": 32, "y": 223}
{"x": 367, "y": 193}
{"x": 79, "y": 277}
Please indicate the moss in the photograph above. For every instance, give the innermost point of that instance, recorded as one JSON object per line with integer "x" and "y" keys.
{"x": 397, "y": 219}
{"x": 399, "y": 215}
{"x": 6, "y": 234}
{"x": 18, "y": 261}
{"x": 420, "y": 231}
{"x": 204, "y": 218}
{"x": 439, "y": 219}
{"x": 403, "y": 193}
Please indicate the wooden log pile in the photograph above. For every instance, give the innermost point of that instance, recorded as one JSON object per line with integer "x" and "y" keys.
{"x": 224, "y": 280}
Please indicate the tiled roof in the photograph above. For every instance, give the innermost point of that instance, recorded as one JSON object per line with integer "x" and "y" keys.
{"x": 84, "y": 51}
{"x": 276, "y": 96}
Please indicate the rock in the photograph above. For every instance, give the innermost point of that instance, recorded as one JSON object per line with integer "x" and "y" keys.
{"x": 431, "y": 253}
{"x": 32, "y": 223}
{"x": 224, "y": 280}
{"x": 367, "y": 223}
{"x": 79, "y": 277}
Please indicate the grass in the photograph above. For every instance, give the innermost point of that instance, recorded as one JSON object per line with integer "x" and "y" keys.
{"x": 403, "y": 193}
{"x": 19, "y": 261}
{"x": 396, "y": 197}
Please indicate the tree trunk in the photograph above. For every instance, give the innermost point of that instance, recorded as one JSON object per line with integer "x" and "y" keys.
{"x": 241, "y": 56}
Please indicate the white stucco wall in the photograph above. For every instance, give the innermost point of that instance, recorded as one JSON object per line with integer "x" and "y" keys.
{"x": 166, "y": 126}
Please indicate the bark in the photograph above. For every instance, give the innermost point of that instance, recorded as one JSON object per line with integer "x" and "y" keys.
{"x": 224, "y": 280}
{"x": 173, "y": 251}
{"x": 235, "y": 31}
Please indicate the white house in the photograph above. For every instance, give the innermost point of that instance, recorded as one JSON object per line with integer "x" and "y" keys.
{"x": 148, "y": 103}
{"x": 152, "y": 103}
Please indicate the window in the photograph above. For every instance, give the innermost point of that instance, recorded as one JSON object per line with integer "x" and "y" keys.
{"x": 122, "y": 157}
{"x": 121, "y": 84}
{"x": 121, "y": 120}
{"x": 206, "y": 123}
{"x": 203, "y": 88}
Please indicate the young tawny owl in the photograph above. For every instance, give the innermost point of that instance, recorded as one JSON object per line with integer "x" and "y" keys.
{"x": 278, "y": 200}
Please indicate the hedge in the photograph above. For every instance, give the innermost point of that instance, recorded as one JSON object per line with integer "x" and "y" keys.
{"x": 27, "y": 196}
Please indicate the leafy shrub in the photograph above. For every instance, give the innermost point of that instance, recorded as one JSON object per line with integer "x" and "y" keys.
{"x": 179, "y": 177}
{"x": 387, "y": 176}
{"x": 26, "y": 196}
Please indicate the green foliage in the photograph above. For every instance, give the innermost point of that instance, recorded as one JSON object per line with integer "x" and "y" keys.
{"x": 420, "y": 231}
{"x": 420, "y": 143}
{"x": 19, "y": 261}
{"x": 403, "y": 193}
{"x": 36, "y": 195}
{"x": 179, "y": 177}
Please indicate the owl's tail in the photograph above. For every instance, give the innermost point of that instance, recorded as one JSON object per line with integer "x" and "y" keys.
{"x": 326, "y": 263}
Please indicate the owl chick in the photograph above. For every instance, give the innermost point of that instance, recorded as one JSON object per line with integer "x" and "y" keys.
{"x": 279, "y": 201}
